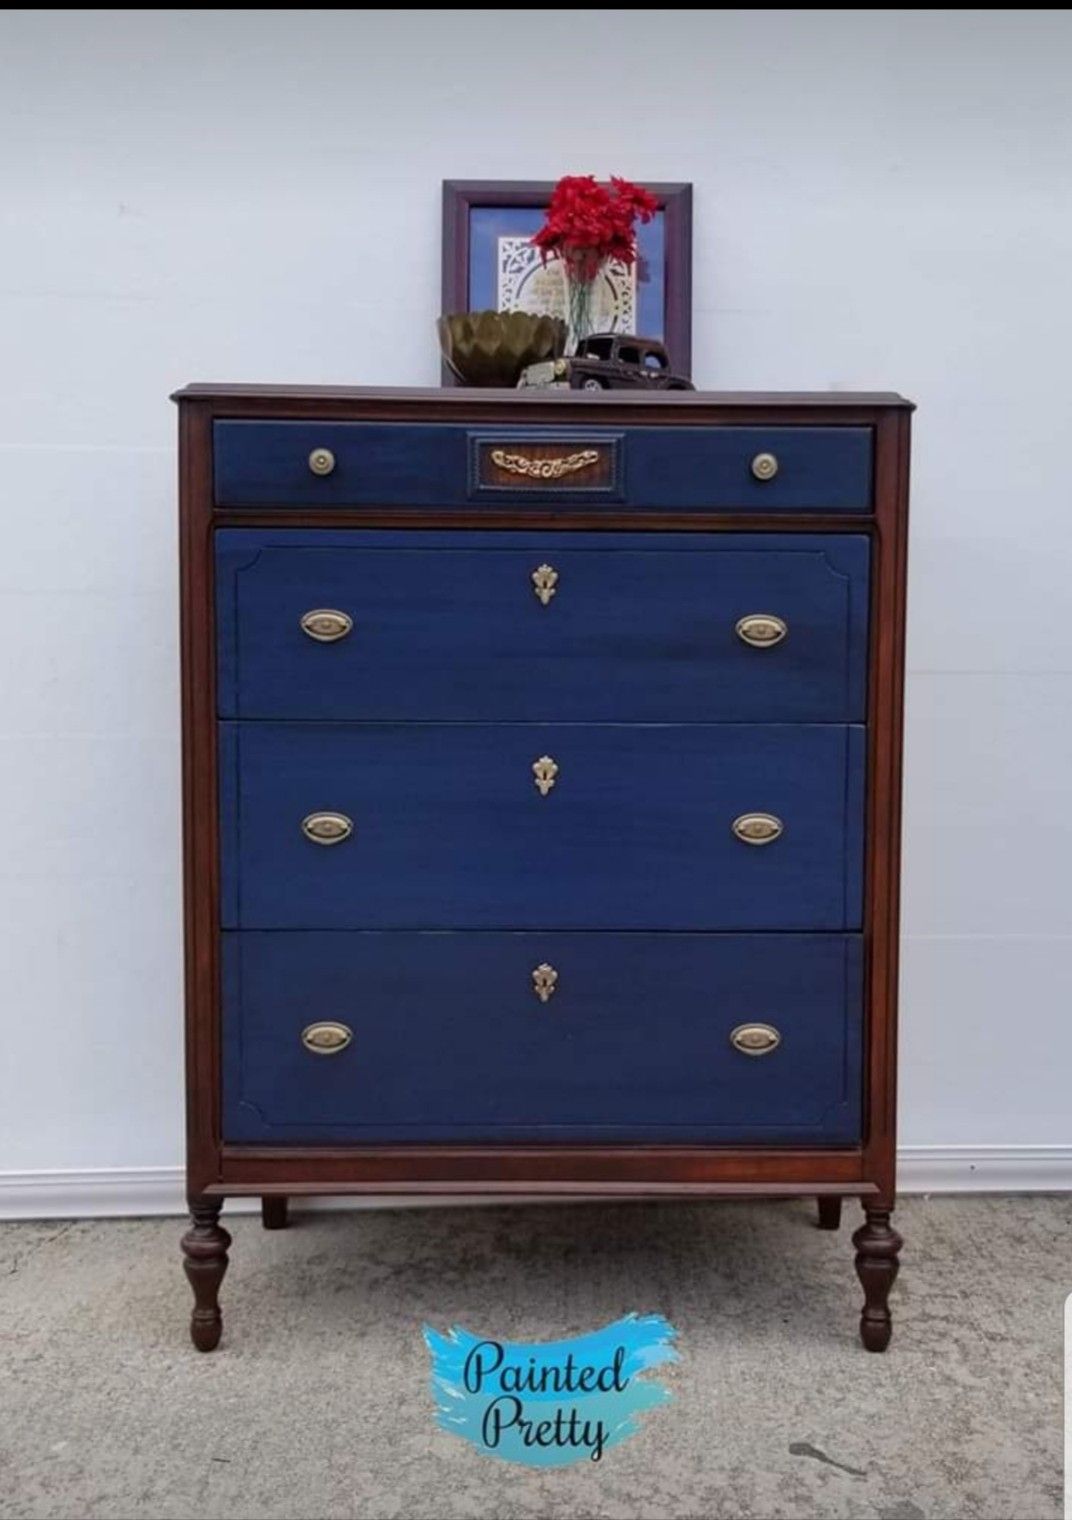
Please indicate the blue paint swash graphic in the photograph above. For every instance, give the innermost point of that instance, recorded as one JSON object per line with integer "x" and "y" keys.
{"x": 549, "y": 1403}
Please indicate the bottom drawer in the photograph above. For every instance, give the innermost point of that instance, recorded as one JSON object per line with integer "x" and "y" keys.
{"x": 631, "y": 1039}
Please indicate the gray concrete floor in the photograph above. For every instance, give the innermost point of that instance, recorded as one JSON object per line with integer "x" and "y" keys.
{"x": 317, "y": 1403}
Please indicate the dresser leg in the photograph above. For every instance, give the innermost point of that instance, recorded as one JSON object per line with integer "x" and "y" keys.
{"x": 829, "y": 1211}
{"x": 204, "y": 1247}
{"x": 274, "y": 1212}
{"x": 877, "y": 1244}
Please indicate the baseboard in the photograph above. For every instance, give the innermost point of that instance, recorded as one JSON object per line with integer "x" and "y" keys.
{"x": 138, "y": 1192}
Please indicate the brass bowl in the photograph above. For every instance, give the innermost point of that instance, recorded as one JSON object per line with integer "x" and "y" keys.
{"x": 493, "y": 347}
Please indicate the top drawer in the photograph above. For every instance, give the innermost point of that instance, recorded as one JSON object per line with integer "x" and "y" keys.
{"x": 427, "y": 465}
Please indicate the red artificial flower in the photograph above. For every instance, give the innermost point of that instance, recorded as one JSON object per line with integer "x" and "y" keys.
{"x": 587, "y": 223}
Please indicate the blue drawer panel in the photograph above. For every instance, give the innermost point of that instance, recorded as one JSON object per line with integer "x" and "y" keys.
{"x": 640, "y": 627}
{"x": 422, "y": 465}
{"x": 450, "y": 830}
{"x": 450, "y": 1042}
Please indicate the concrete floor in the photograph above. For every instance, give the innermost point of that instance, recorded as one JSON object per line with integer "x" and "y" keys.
{"x": 317, "y": 1403}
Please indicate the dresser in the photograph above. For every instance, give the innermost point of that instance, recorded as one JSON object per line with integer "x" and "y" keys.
{"x": 541, "y": 787}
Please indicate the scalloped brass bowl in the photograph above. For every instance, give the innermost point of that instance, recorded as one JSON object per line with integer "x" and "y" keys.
{"x": 493, "y": 347}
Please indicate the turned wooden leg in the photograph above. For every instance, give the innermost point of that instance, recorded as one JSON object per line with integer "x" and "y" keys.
{"x": 274, "y": 1212}
{"x": 877, "y": 1244}
{"x": 829, "y": 1211}
{"x": 204, "y": 1247}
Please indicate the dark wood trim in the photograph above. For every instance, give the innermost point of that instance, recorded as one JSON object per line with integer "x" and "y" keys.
{"x": 406, "y": 402}
{"x": 200, "y": 848}
{"x": 460, "y": 196}
{"x": 559, "y": 520}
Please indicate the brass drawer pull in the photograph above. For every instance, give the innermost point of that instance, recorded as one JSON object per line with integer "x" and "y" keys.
{"x": 545, "y": 770}
{"x": 762, "y": 629}
{"x": 765, "y": 466}
{"x": 544, "y": 581}
{"x": 327, "y": 828}
{"x": 758, "y": 828}
{"x": 544, "y": 981}
{"x": 326, "y": 1038}
{"x": 326, "y": 625}
{"x": 755, "y": 1039}
{"x": 321, "y": 461}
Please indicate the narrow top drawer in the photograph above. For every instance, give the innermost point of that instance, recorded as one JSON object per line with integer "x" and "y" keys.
{"x": 430, "y": 465}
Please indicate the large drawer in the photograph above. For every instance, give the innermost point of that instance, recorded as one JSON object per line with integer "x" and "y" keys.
{"x": 450, "y": 1041}
{"x": 429, "y": 465}
{"x": 517, "y": 826}
{"x": 629, "y": 627}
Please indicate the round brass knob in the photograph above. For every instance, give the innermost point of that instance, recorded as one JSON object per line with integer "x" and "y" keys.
{"x": 326, "y": 1038}
{"x": 765, "y": 466}
{"x": 755, "y": 1039}
{"x": 321, "y": 461}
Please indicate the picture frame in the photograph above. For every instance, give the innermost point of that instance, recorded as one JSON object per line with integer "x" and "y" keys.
{"x": 481, "y": 218}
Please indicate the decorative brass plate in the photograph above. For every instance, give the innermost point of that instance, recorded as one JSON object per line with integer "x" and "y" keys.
{"x": 755, "y": 1039}
{"x": 544, "y": 469}
{"x": 765, "y": 466}
{"x": 544, "y": 981}
{"x": 326, "y": 1038}
{"x": 545, "y": 770}
{"x": 326, "y": 624}
{"x": 544, "y": 581}
{"x": 762, "y": 629}
{"x": 758, "y": 828}
{"x": 327, "y": 828}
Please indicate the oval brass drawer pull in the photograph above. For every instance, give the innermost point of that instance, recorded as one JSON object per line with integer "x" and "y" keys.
{"x": 757, "y": 828}
{"x": 326, "y": 624}
{"x": 765, "y": 466}
{"x": 762, "y": 629}
{"x": 545, "y": 770}
{"x": 755, "y": 1039}
{"x": 544, "y": 981}
{"x": 326, "y": 1038}
{"x": 544, "y": 581}
{"x": 321, "y": 461}
{"x": 327, "y": 828}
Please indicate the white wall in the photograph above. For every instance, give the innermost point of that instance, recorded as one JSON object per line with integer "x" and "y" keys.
{"x": 883, "y": 199}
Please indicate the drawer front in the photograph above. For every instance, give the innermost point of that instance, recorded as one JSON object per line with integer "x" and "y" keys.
{"x": 526, "y": 627}
{"x": 449, "y": 1040}
{"x": 625, "y": 827}
{"x": 371, "y": 464}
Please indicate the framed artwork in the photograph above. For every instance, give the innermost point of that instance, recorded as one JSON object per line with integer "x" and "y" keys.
{"x": 489, "y": 263}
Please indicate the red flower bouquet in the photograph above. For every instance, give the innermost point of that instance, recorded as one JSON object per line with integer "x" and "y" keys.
{"x": 587, "y": 225}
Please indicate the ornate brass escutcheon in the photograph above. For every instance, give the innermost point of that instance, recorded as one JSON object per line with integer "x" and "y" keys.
{"x": 755, "y": 1039}
{"x": 544, "y": 981}
{"x": 757, "y": 828}
{"x": 544, "y": 469}
{"x": 545, "y": 770}
{"x": 326, "y": 1038}
{"x": 327, "y": 828}
{"x": 544, "y": 580}
{"x": 762, "y": 629}
{"x": 326, "y": 624}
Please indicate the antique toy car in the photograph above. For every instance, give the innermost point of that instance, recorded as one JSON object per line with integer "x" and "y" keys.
{"x": 609, "y": 361}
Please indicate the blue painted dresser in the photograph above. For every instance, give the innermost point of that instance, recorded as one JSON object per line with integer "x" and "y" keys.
{"x": 542, "y": 761}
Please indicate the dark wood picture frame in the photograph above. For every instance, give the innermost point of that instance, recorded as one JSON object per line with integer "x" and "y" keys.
{"x": 462, "y": 196}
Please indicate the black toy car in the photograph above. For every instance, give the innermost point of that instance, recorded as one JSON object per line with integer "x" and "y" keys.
{"x": 609, "y": 361}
